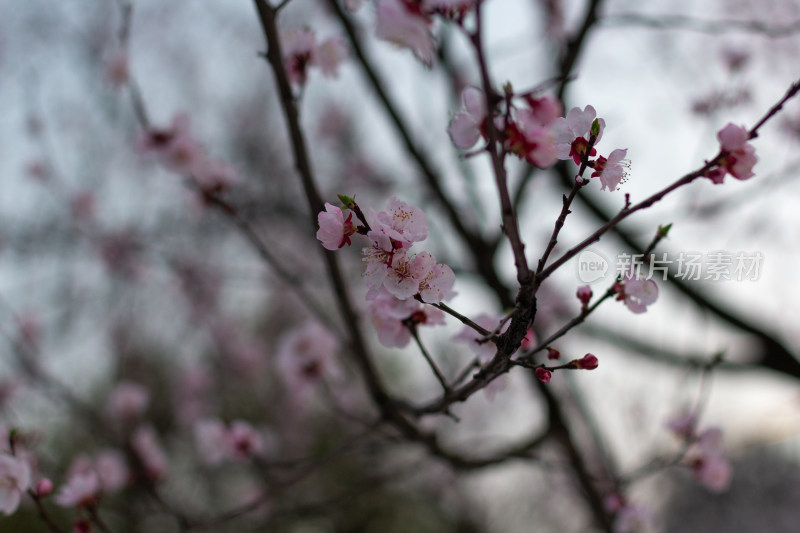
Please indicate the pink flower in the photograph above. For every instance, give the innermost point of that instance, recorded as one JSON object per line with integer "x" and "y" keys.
{"x": 682, "y": 425}
{"x": 466, "y": 128}
{"x": 212, "y": 440}
{"x": 378, "y": 259}
{"x": 545, "y": 110}
{"x": 637, "y": 293}
{"x": 404, "y": 24}
{"x": 330, "y": 55}
{"x": 245, "y": 442}
{"x": 401, "y": 222}
{"x": 707, "y": 459}
{"x": 437, "y": 283}
{"x": 217, "y": 443}
{"x": 531, "y": 138}
{"x": 388, "y": 315}
{"x": 299, "y": 48}
{"x": 112, "y": 470}
{"x": 714, "y": 472}
{"x": 305, "y": 355}
{"x": 81, "y": 490}
{"x": 15, "y": 478}
{"x": 334, "y": 231}
{"x": 572, "y": 133}
{"x": 612, "y": 170}
{"x": 174, "y": 145}
{"x": 405, "y": 275}
{"x": 127, "y": 400}
{"x": 739, "y": 157}
{"x": 732, "y": 137}
{"x": 146, "y": 446}
{"x": 529, "y": 340}
{"x": 632, "y": 519}
{"x": 483, "y": 349}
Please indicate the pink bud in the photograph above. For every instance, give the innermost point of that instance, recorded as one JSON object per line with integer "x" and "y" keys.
{"x": 543, "y": 374}
{"x": 588, "y": 362}
{"x": 584, "y": 294}
{"x": 81, "y": 525}
{"x": 44, "y": 488}
{"x": 552, "y": 353}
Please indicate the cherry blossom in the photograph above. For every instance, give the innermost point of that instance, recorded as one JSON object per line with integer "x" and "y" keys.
{"x": 305, "y": 355}
{"x": 612, "y": 170}
{"x": 437, "y": 283}
{"x": 378, "y": 259}
{"x": 707, "y": 458}
{"x": 211, "y": 437}
{"x": 15, "y": 477}
{"x": 401, "y": 222}
{"x": 531, "y": 139}
{"x": 81, "y": 490}
{"x": 127, "y": 400}
{"x": 529, "y": 340}
{"x": 404, "y": 24}
{"x": 466, "y": 128}
{"x": 174, "y": 145}
{"x": 482, "y": 348}
{"x": 112, "y": 470}
{"x": 392, "y": 316}
{"x": 632, "y": 519}
{"x": 334, "y": 231}
{"x": 572, "y": 133}
{"x": 330, "y": 55}
{"x": 299, "y": 47}
{"x": 144, "y": 443}
{"x": 739, "y": 155}
{"x": 637, "y": 293}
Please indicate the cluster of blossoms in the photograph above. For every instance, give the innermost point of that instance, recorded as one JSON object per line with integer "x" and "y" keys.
{"x": 301, "y": 51}
{"x": 15, "y": 478}
{"x": 739, "y": 155}
{"x": 180, "y": 152}
{"x": 88, "y": 478}
{"x": 705, "y": 456}
{"x": 539, "y": 134}
{"x": 217, "y": 442}
{"x": 409, "y": 23}
{"x": 394, "y": 276}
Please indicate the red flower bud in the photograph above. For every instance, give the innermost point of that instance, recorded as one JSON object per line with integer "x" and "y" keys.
{"x": 543, "y": 374}
{"x": 588, "y": 362}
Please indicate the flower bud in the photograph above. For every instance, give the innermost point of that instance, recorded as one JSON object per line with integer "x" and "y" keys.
{"x": 587, "y": 362}
{"x": 584, "y": 294}
{"x": 44, "y": 488}
{"x": 543, "y": 374}
{"x": 552, "y": 353}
